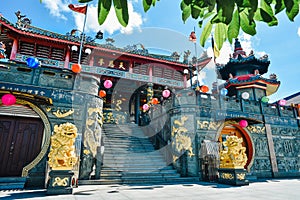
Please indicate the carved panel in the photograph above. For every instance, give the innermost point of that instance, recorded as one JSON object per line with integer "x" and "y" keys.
{"x": 262, "y": 165}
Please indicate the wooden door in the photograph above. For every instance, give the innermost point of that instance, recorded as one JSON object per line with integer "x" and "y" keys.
{"x": 20, "y": 142}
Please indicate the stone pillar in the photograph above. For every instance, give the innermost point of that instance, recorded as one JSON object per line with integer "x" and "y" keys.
{"x": 62, "y": 159}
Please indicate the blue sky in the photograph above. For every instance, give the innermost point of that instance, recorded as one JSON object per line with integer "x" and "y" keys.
{"x": 161, "y": 28}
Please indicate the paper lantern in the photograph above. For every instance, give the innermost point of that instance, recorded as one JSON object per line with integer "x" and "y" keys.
{"x": 145, "y": 107}
{"x": 107, "y": 84}
{"x": 76, "y": 68}
{"x": 245, "y": 95}
{"x": 223, "y": 92}
{"x": 282, "y": 102}
{"x": 243, "y": 123}
{"x": 154, "y": 101}
{"x": 166, "y": 93}
{"x": 32, "y": 62}
{"x": 264, "y": 99}
{"x": 204, "y": 88}
{"x": 8, "y": 99}
{"x": 102, "y": 93}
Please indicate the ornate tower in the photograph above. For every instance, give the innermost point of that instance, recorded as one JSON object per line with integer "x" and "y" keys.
{"x": 243, "y": 75}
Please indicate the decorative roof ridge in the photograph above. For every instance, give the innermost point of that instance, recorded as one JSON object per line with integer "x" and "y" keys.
{"x": 235, "y": 80}
{"x": 35, "y": 30}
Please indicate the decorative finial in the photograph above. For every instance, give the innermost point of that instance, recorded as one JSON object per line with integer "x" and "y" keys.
{"x": 238, "y": 50}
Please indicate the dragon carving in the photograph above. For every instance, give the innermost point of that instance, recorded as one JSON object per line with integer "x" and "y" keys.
{"x": 234, "y": 154}
{"x": 62, "y": 152}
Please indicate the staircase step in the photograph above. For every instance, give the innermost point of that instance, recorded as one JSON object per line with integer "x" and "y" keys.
{"x": 9, "y": 183}
{"x": 130, "y": 158}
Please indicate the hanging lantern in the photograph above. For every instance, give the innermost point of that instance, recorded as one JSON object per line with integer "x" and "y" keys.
{"x": 204, "y": 88}
{"x": 145, "y": 107}
{"x": 245, "y": 95}
{"x": 8, "y": 99}
{"x": 243, "y": 123}
{"x": 76, "y": 68}
{"x": 154, "y": 101}
{"x": 166, "y": 93}
{"x": 264, "y": 99}
{"x": 223, "y": 92}
{"x": 32, "y": 62}
{"x": 107, "y": 84}
{"x": 282, "y": 102}
{"x": 102, "y": 93}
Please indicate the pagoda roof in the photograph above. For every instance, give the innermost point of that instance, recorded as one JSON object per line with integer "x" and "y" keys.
{"x": 32, "y": 31}
{"x": 271, "y": 85}
{"x": 239, "y": 61}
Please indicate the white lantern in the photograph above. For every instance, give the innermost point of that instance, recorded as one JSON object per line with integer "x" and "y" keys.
{"x": 88, "y": 51}
{"x": 74, "y": 48}
{"x": 245, "y": 95}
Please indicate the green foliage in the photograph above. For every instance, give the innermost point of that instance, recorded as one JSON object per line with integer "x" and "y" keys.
{"x": 225, "y": 17}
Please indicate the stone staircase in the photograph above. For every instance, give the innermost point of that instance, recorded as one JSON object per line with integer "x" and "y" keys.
{"x": 12, "y": 183}
{"x": 130, "y": 158}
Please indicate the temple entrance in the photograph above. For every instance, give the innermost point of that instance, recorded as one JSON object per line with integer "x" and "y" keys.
{"x": 21, "y": 141}
{"x": 234, "y": 129}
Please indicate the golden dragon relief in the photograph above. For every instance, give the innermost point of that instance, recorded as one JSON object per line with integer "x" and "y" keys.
{"x": 62, "y": 152}
{"x": 234, "y": 154}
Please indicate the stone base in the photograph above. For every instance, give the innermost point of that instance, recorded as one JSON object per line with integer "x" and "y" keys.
{"x": 61, "y": 182}
{"x": 233, "y": 176}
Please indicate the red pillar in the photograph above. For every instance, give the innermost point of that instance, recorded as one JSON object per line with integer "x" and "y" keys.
{"x": 14, "y": 50}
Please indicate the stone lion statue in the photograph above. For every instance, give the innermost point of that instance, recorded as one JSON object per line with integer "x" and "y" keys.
{"x": 62, "y": 152}
{"x": 234, "y": 154}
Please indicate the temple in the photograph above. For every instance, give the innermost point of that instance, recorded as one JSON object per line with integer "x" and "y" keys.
{"x": 101, "y": 114}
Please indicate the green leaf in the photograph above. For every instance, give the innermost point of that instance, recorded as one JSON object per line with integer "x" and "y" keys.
{"x": 279, "y": 6}
{"x": 234, "y": 26}
{"x": 187, "y": 2}
{"x": 247, "y": 26}
{"x": 195, "y": 11}
{"x": 243, "y": 3}
{"x": 292, "y": 8}
{"x": 147, "y": 4}
{"x": 121, "y": 9}
{"x": 224, "y": 9}
{"x": 220, "y": 34}
{"x": 186, "y": 12}
{"x": 103, "y": 10}
{"x": 84, "y": 1}
{"x": 205, "y": 33}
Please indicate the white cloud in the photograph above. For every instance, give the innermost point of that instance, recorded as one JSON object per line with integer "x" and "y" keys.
{"x": 111, "y": 23}
{"x": 298, "y": 32}
{"x": 56, "y": 8}
{"x": 227, "y": 48}
{"x": 224, "y": 53}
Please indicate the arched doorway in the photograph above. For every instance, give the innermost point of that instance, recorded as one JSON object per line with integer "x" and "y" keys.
{"x": 21, "y": 140}
{"x": 235, "y": 129}
{"x": 22, "y": 137}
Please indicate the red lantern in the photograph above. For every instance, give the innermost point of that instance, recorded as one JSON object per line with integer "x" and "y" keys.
{"x": 154, "y": 101}
{"x": 102, "y": 93}
{"x": 76, "y": 68}
{"x": 8, "y": 99}
{"x": 204, "y": 88}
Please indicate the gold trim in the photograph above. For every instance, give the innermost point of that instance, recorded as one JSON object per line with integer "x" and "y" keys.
{"x": 60, "y": 181}
{"x": 241, "y": 176}
{"x": 46, "y": 136}
{"x": 60, "y": 114}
